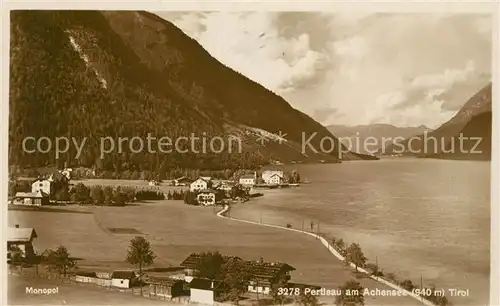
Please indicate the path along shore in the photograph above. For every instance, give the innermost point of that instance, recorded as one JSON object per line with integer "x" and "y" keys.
{"x": 331, "y": 249}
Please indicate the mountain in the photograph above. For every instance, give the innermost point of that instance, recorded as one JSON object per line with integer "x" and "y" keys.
{"x": 96, "y": 74}
{"x": 359, "y": 138}
{"x": 434, "y": 142}
{"x": 472, "y": 143}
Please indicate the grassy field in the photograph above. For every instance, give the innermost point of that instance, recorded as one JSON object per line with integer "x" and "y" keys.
{"x": 175, "y": 230}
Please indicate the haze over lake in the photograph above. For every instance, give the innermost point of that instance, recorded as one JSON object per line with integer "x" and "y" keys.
{"x": 417, "y": 217}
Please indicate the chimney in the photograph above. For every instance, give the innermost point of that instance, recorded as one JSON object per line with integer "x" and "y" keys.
{"x": 17, "y": 225}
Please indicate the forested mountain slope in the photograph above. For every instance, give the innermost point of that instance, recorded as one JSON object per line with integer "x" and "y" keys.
{"x": 129, "y": 74}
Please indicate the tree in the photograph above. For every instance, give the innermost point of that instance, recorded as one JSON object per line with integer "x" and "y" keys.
{"x": 97, "y": 195}
{"x": 62, "y": 194}
{"x": 437, "y": 299}
{"x": 340, "y": 245}
{"x": 236, "y": 275}
{"x": 16, "y": 255}
{"x": 276, "y": 293}
{"x": 351, "y": 294}
{"x": 60, "y": 188}
{"x": 119, "y": 196}
{"x": 80, "y": 193}
{"x": 407, "y": 284}
{"x": 294, "y": 177}
{"x": 60, "y": 260}
{"x": 108, "y": 195}
{"x": 306, "y": 299}
{"x": 12, "y": 188}
{"x": 140, "y": 253}
{"x": 355, "y": 255}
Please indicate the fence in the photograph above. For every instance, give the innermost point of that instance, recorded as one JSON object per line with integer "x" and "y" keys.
{"x": 103, "y": 284}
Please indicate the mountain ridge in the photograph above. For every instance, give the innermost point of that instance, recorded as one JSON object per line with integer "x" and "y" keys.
{"x": 100, "y": 73}
{"x": 359, "y": 135}
{"x": 477, "y": 104}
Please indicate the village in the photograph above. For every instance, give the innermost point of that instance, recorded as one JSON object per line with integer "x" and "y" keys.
{"x": 55, "y": 188}
{"x": 193, "y": 258}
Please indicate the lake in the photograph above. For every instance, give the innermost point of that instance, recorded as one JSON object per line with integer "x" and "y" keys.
{"x": 421, "y": 219}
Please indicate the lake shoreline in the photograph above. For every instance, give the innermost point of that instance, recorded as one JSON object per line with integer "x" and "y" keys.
{"x": 222, "y": 214}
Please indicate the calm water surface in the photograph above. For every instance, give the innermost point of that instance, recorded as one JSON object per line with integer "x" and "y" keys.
{"x": 421, "y": 219}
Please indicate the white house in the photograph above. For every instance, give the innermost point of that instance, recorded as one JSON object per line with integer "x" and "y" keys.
{"x": 122, "y": 279}
{"x": 273, "y": 176}
{"x": 200, "y": 184}
{"x": 205, "y": 291}
{"x": 206, "y": 197}
{"x": 248, "y": 180}
{"x": 275, "y": 179}
{"x": 37, "y": 198}
{"x": 66, "y": 172}
{"x": 153, "y": 183}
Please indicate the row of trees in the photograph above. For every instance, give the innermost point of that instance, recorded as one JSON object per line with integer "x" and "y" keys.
{"x": 353, "y": 254}
{"x": 55, "y": 261}
{"x": 176, "y": 195}
{"x": 109, "y": 195}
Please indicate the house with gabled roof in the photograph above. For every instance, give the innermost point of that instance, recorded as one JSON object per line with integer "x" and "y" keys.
{"x": 21, "y": 239}
{"x": 265, "y": 274}
{"x": 192, "y": 263}
{"x": 36, "y": 198}
{"x": 123, "y": 279}
{"x": 207, "y": 197}
{"x": 202, "y": 183}
{"x": 248, "y": 180}
{"x": 273, "y": 177}
{"x": 165, "y": 287}
{"x": 181, "y": 181}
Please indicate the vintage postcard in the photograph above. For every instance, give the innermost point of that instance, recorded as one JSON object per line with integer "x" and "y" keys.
{"x": 243, "y": 153}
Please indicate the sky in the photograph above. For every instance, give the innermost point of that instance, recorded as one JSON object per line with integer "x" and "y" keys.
{"x": 350, "y": 68}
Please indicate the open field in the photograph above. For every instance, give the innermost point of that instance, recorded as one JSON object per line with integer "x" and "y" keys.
{"x": 175, "y": 230}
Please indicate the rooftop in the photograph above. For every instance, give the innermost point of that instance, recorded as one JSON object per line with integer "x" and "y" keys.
{"x": 259, "y": 269}
{"x": 38, "y": 194}
{"x": 267, "y": 270}
{"x": 166, "y": 281}
{"x": 207, "y": 191}
{"x": 86, "y": 273}
{"x": 21, "y": 234}
{"x": 123, "y": 274}
{"x": 193, "y": 260}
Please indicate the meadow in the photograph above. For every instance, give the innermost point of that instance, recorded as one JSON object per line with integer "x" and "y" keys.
{"x": 175, "y": 230}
